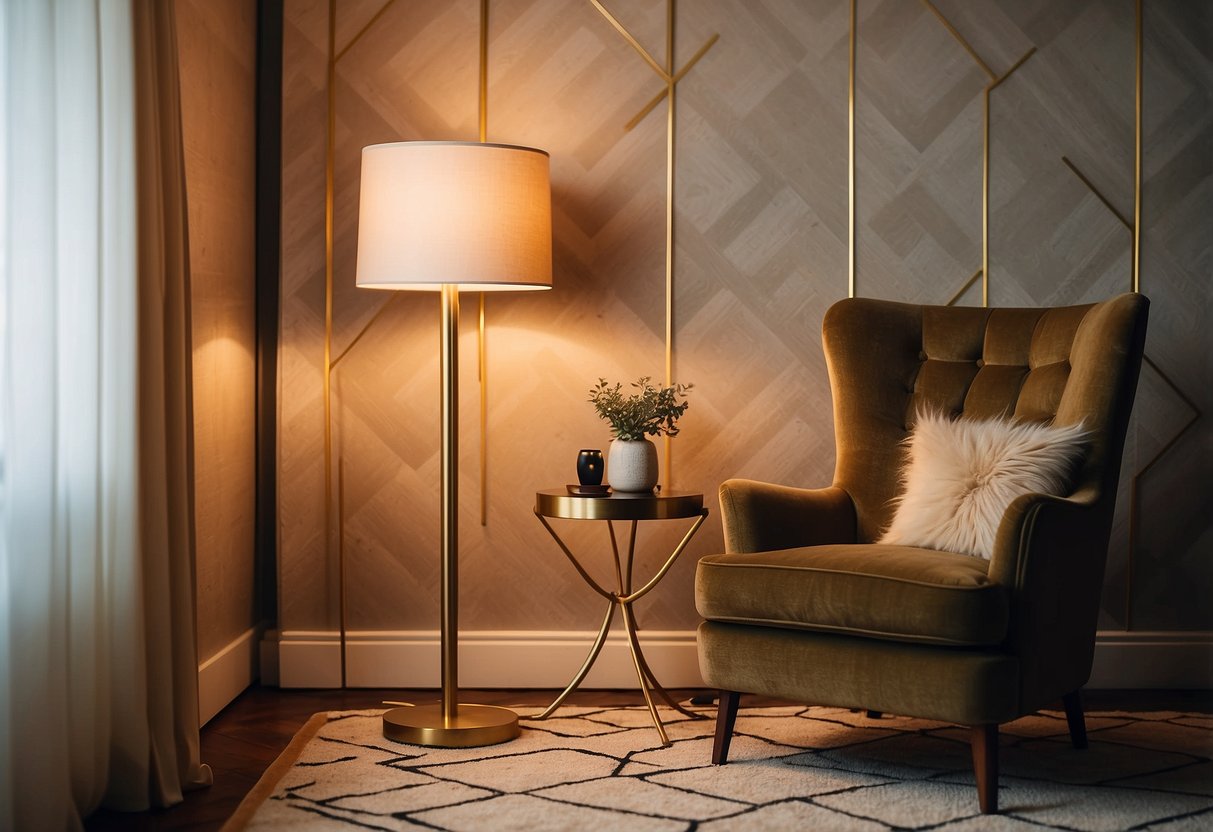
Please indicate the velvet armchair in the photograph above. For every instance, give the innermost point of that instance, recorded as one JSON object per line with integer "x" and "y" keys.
{"x": 805, "y": 605}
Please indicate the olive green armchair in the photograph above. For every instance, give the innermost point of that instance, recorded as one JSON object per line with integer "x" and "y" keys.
{"x": 805, "y": 605}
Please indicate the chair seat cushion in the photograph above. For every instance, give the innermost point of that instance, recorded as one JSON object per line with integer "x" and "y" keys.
{"x": 880, "y": 591}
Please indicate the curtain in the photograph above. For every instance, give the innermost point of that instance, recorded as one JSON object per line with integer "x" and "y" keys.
{"x": 98, "y": 685}
{"x": 166, "y": 410}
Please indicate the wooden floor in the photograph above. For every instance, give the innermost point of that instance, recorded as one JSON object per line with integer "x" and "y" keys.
{"x": 241, "y": 742}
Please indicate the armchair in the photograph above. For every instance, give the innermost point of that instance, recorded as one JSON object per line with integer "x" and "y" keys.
{"x": 804, "y": 605}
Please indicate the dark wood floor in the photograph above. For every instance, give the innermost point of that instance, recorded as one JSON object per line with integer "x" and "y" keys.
{"x": 241, "y": 742}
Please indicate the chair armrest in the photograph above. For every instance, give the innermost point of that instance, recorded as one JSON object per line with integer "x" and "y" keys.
{"x": 1035, "y": 525}
{"x": 761, "y": 517}
{"x": 1051, "y": 553}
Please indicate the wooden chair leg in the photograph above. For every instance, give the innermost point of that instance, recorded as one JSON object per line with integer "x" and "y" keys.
{"x": 726, "y": 717}
{"x": 1074, "y": 716}
{"x": 984, "y": 740}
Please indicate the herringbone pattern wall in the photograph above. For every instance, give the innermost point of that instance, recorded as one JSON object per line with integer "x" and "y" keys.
{"x": 761, "y": 206}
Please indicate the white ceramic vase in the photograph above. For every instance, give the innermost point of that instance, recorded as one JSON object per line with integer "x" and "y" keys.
{"x": 632, "y": 465}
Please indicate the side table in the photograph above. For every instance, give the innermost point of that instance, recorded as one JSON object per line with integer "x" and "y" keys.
{"x": 673, "y": 505}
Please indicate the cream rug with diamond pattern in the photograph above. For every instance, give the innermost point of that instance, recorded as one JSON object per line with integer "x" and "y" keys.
{"x": 789, "y": 768}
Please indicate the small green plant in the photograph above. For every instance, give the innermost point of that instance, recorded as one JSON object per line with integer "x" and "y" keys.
{"x": 652, "y": 411}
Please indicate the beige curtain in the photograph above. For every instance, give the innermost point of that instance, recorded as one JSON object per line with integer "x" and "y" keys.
{"x": 98, "y": 666}
{"x": 166, "y": 450}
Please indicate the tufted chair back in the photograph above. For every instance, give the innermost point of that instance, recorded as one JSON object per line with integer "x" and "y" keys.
{"x": 887, "y": 361}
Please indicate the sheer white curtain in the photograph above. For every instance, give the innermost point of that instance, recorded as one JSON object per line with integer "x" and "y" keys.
{"x": 86, "y": 594}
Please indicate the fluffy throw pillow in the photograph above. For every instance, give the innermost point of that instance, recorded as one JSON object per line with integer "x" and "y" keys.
{"x": 961, "y": 475}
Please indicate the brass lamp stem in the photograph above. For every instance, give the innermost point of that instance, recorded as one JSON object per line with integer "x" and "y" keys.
{"x": 449, "y": 502}
{"x": 449, "y": 724}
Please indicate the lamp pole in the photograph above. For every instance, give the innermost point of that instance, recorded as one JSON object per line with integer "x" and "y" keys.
{"x": 449, "y": 499}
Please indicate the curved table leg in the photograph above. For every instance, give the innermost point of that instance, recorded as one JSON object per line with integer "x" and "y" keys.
{"x": 662, "y": 692}
{"x": 585, "y": 667}
{"x": 638, "y": 661}
{"x": 629, "y": 621}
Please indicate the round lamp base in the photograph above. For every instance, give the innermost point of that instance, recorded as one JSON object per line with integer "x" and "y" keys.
{"x": 473, "y": 726}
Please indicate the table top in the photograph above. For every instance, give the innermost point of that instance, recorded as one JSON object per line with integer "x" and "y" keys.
{"x": 670, "y": 505}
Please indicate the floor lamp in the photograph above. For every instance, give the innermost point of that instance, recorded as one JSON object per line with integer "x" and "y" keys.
{"x": 445, "y": 216}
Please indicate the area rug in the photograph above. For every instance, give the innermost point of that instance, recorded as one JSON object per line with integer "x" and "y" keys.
{"x": 789, "y": 768}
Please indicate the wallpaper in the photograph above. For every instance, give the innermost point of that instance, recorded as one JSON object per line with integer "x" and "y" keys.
{"x": 217, "y": 45}
{"x": 761, "y": 245}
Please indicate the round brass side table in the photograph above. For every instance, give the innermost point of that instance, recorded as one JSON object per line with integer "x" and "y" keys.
{"x": 672, "y": 505}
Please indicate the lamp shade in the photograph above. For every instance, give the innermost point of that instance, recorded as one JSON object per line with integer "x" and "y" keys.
{"x": 473, "y": 215}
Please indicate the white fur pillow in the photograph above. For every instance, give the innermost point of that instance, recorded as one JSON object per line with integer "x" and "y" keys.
{"x": 961, "y": 475}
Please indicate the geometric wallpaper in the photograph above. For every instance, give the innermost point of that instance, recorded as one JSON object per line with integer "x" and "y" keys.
{"x": 761, "y": 250}
{"x": 220, "y": 174}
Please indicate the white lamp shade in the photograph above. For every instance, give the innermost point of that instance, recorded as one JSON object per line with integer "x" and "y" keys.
{"x": 478, "y": 216}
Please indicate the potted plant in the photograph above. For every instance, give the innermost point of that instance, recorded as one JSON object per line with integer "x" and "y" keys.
{"x": 650, "y": 411}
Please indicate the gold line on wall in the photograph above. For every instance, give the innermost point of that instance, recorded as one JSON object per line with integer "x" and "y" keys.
{"x": 1135, "y": 285}
{"x": 985, "y": 197}
{"x": 1197, "y": 413}
{"x": 671, "y": 79}
{"x": 484, "y": 72}
{"x": 1031, "y": 51}
{"x": 635, "y": 44}
{"x": 1134, "y": 509}
{"x": 341, "y": 585}
{"x": 960, "y": 39}
{"x": 667, "y": 475}
{"x": 363, "y": 30}
{"x": 985, "y": 170}
{"x": 964, "y": 288}
{"x": 1137, "y": 45}
{"x": 1091, "y": 187}
{"x": 329, "y": 154}
{"x": 994, "y": 81}
{"x": 678, "y": 76}
{"x": 482, "y": 370}
{"x": 851, "y": 158}
{"x": 365, "y": 328}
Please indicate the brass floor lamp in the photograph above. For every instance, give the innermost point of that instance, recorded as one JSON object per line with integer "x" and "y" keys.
{"x": 441, "y": 216}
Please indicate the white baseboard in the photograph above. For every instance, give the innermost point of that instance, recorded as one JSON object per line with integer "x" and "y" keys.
{"x": 310, "y": 659}
{"x": 488, "y": 659}
{"x": 541, "y": 659}
{"x": 1163, "y": 660}
{"x": 223, "y": 676}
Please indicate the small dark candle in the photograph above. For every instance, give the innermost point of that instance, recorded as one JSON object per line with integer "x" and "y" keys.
{"x": 590, "y": 467}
